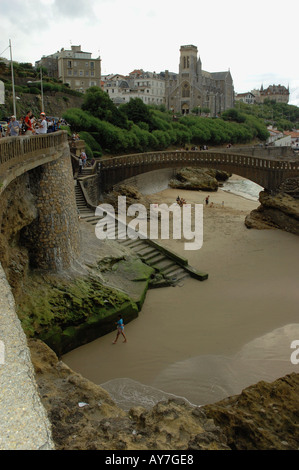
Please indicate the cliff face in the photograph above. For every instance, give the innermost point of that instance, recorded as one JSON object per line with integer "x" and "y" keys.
{"x": 17, "y": 210}
{"x": 83, "y": 416}
{"x": 277, "y": 211}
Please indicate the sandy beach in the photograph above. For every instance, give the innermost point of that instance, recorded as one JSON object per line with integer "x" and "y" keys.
{"x": 208, "y": 340}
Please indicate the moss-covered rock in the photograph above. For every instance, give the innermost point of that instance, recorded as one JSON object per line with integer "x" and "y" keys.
{"x": 66, "y": 314}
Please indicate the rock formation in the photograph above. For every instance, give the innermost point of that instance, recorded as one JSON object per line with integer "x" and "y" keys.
{"x": 280, "y": 210}
{"x": 263, "y": 417}
{"x": 84, "y": 417}
{"x": 199, "y": 179}
{"x": 133, "y": 196}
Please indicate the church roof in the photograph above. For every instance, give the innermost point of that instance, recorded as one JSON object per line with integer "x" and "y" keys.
{"x": 219, "y": 75}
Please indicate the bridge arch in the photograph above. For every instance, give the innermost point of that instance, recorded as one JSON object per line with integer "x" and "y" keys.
{"x": 267, "y": 172}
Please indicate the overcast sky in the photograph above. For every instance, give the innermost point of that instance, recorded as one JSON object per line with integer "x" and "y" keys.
{"x": 256, "y": 40}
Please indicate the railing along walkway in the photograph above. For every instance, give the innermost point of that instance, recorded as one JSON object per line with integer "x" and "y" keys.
{"x": 16, "y": 150}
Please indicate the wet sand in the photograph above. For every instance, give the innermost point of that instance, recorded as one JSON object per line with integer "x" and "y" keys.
{"x": 207, "y": 340}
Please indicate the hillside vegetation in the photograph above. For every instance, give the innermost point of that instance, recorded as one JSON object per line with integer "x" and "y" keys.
{"x": 135, "y": 127}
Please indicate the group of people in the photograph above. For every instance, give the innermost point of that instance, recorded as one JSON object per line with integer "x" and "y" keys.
{"x": 29, "y": 125}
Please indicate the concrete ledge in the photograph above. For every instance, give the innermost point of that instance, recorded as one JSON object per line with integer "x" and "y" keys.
{"x": 24, "y": 424}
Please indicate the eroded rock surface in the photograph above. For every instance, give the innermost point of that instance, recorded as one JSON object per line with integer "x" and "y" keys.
{"x": 84, "y": 417}
{"x": 276, "y": 211}
{"x": 203, "y": 179}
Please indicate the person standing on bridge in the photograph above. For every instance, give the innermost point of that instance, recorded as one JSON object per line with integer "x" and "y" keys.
{"x": 13, "y": 127}
{"x": 28, "y": 123}
{"x": 42, "y": 126}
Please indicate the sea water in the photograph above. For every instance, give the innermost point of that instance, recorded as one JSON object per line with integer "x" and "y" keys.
{"x": 243, "y": 187}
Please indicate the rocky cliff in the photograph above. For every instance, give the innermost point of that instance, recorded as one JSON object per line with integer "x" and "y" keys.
{"x": 84, "y": 417}
{"x": 280, "y": 210}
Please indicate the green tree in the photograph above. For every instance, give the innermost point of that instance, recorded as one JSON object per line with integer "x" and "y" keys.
{"x": 137, "y": 111}
{"x": 98, "y": 103}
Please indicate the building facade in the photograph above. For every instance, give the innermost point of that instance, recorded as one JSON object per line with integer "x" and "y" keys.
{"x": 148, "y": 86}
{"x": 278, "y": 93}
{"x": 74, "y": 67}
{"x": 194, "y": 88}
{"x": 248, "y": 98}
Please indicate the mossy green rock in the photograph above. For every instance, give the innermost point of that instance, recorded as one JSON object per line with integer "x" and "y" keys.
{"x": 67, "y": 314}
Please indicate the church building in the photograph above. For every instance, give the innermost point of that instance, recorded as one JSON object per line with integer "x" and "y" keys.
{"x": 193, "y": 88}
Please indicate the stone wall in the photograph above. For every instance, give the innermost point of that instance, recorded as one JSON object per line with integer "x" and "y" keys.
{"x": 91, "y": 187}
{"x": 53, "y": 237}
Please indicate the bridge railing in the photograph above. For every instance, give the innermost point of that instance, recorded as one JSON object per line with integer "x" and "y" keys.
{"x": 15, "y": 150}
{"x": 203, "y": 157}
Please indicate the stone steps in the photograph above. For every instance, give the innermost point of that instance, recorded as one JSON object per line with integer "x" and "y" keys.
{"x": 153, "y": 255}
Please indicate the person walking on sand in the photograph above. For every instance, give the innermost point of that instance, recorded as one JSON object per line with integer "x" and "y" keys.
{"x": 120, "y": 329}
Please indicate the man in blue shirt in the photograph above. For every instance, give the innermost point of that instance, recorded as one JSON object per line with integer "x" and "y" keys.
{"x": 13, "y": 127}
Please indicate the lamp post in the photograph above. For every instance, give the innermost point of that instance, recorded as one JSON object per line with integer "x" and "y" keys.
{"x": 41, "y": 88}
{"x": 13, "y": 82}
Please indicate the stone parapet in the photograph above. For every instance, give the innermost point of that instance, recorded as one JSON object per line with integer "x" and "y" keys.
{"x": 24, "y": 424}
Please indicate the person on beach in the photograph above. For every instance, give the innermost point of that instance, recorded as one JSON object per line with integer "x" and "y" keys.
{"x": 120, "y": 329}
{"x": 207, "y": 200}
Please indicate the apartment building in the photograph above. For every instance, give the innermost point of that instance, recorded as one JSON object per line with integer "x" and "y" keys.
{"x": 148, "y": 86}
{"x": 75, "y": 67}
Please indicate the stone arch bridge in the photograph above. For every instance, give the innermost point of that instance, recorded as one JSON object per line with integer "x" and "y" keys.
{"x": 269, "y": 172}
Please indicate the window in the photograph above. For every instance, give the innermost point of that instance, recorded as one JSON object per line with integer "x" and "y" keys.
{"x": 81, "y": 73}
{"x": 69, "y": 64}
{"x": 92, "y": 65}
{"x": 186, "y": 90}
{"x": 186, "y": 62}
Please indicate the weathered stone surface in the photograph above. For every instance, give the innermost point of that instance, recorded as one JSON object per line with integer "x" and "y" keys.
{"x": 203, "y": 179}
{"x": 99, "y": 424}
{"x": 264, "y": 416}
{"x": 17, "y": 209}
{"x": 276, "y": 211}
{"x": 290, "y": 186}
{"x": 133, "y": 196}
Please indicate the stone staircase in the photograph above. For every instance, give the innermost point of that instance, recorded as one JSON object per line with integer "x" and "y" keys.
{"x": 172, "y": 267}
